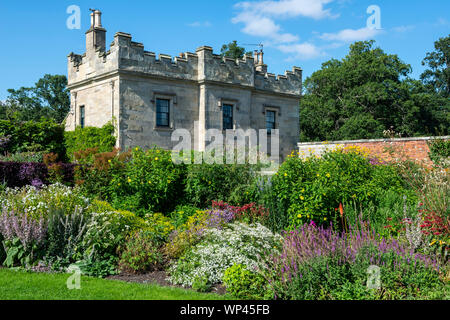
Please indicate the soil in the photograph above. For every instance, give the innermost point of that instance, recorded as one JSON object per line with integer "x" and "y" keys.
{"x": 156, "y": 277}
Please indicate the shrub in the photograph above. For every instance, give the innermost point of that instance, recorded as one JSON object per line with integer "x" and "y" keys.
{"x": 141, "y": 253}
{"x": 45, "y": 135}
{"x": 187, "y": 235}
{"x": 226, "y": 182}
{"x": 318, "y": 263}
{"x": 244, "y": 284}
{"x": 311, "y": 189}
{"x": 96, "y": 170}
{"x": 440, "y": 151}
{"x": 182, "y": 213}
{"x": 37, "y": 157}
{"x": 237, "y": 243}
{"x": 17, "y": 174}
{"x": 148, "y": 181}
{"x": 24, "y": 238}
{"x": 90, "y": 137}
{"x": 41, "y": 201}
{"x": 65, "y": 236}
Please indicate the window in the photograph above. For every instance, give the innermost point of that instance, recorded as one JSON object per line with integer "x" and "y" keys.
{"x": 162, "y": 112}
{"x": 227, "y": 111}
{"x": 270, "y": 121}
{"x": 82, "y": 116}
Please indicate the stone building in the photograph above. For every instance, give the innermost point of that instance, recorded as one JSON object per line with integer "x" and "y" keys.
{"x": 150, "y": 96}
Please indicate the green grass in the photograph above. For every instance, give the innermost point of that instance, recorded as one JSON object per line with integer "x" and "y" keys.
{"x": 22, "y": 285}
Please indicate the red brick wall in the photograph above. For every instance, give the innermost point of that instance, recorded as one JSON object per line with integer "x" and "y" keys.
{"x": 415, "y": 150}
{"x": 384, "y": 149}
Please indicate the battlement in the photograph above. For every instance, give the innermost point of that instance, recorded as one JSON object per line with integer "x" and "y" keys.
{"x": 127, "y": 56}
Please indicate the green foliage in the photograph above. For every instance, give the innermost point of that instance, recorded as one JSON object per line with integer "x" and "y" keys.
{"x": 219, "y": 249}
{"x": 385, "y": 215}
{"x": 32, "y": 136}
{"x": 102, "y": 139}
{"x": 313, "y": 188}
{"x": 226, "y": 182}
{"x": 437, "y": 77}
{"x": 2, "y": 250}
{"x": 187, "y": 235}
{"x": 65, "y": 236}
{"x": 141, "y": 253}
{"x": 439, "y": 151}
{"x": 181, "y": 215}
{"x": 49, "y": 98}
{"x": 24, "y": 157}
{"x": 201, "y": 284}
{"x": 233, "y": 51}
{"x": 325, "y": 278}
{"x": 37, "y": 202}
{"x": 148, "y": 182}
{"x": 366, "y": 93}
{"x": 244, "y": 284}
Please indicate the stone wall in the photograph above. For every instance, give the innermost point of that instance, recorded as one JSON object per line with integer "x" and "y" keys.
{"x": 124, "y": 82}
{"x": 384, "y": 149}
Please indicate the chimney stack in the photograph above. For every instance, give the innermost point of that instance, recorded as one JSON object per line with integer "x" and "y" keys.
{"x": 96, "y": 35}
{"x": 259, "y": 62}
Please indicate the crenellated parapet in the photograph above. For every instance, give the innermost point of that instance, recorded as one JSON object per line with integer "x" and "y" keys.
{"x": 127, "y": 56}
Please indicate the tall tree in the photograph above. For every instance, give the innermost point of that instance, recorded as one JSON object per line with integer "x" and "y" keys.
{"x": 49, "y": 98}
{"x": 233, "y": 51}
{"x": 437, "y": 76}
{"x": 364, "y": 94}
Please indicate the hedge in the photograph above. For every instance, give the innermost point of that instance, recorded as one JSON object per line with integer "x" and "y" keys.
{"x": 19, "y": 174}
{"x": 45, "y": 135}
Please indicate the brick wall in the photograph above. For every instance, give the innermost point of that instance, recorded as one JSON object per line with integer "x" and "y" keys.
{"x": 412, "y": 148}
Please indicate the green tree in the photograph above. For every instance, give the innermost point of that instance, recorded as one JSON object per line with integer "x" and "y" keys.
{"x": 365, "y": 93}
{"x": 49, "y": 98}
{"x": 232, "y": 50}
{"x": 437, "y": 77}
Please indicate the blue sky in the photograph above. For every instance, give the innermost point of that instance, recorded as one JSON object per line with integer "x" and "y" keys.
{"x": 304, "y": 33}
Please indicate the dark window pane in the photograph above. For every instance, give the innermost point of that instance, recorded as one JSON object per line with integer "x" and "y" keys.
{"x": 82, "y": 116}
{"x": 162, "y": 112}
{"x": 270, "y": 121}
{"x": 227, "y": 116}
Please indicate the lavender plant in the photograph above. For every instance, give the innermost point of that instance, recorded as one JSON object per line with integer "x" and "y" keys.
{"x": 319, "y": 263}
{"x": 24, "y": 237}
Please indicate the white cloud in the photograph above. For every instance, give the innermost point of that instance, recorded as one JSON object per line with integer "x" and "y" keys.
{"x": 259, "y": 17}
{"x": 401, "y": 29}
{"x": 302, "y": 51}
{"x": 350, "y": 35}
{"x": 200, "y": 24}
{"x": 287, "y": 8}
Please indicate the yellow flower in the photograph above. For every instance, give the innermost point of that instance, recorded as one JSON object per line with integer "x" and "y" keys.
{"x": 149, "y": 182}
{"x": 318, "y": 175}
{"x": 137, "y": 149}
{"x": 433, "y": 242}
{"x": 299, "y": 216}
{"x": 302, "y": 198}
{"x": 156, "y": 159}
{"x": 129, "y": 180}
{"x": 328, "y": 175}
{"x": 325, "y": 219}
{"x": 109, "y": 161}
{"x": 285, "y": 174}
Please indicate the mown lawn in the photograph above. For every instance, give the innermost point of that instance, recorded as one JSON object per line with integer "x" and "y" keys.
{"x": 21, "y": 285}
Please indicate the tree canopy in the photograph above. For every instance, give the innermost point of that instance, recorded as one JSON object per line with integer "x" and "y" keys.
{"x": 437, "y": 77}
{"x": 365, "y": 93}
{"x": 233, "y": 51}
{"x": 49, "y": 98}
